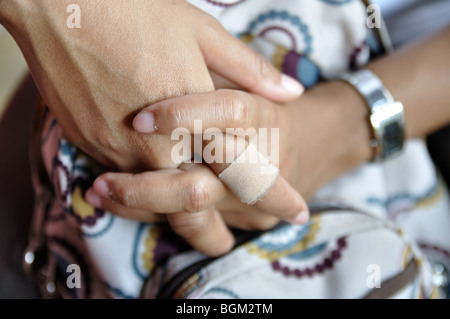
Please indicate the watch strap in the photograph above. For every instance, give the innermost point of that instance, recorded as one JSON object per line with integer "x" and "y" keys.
{"x": 386, "y": 116}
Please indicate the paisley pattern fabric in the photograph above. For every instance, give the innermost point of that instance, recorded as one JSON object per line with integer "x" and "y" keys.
{"x": 396, "y": 212}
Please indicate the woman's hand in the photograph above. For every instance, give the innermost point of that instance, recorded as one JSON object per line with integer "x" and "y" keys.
{"x": 126, "y": 55}
{"x": 322, "y": 135}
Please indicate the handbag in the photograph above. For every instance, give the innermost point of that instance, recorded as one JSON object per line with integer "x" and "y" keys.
{"x": 333, "y": 256}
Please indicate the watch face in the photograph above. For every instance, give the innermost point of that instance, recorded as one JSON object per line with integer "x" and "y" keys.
{"x": 388, "y": 123}
{"x": 392, "y": 138}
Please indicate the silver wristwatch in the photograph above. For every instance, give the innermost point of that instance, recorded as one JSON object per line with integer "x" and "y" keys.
{"x": 386, "y": 115}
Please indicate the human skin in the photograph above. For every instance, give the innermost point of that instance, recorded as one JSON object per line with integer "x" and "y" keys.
{"x": 130, "y": 54}
{"x": 119, "y": 82}
{"x": 127, "y": 55}
{"x": 323, "y": 134}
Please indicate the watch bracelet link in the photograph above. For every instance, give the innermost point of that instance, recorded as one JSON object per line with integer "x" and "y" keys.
{"x": 386, "y": 116}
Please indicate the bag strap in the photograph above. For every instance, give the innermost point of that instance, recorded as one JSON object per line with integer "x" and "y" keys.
{"x": 394, "y": 284}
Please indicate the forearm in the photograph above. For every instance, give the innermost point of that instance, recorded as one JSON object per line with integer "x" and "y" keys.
{"x": 419, "y": 77}
{"x": 336, "y": 116}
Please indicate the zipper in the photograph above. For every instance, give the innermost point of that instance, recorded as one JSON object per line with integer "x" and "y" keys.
{"x": 177, "y": 281}
{"x": 171, "y": 287}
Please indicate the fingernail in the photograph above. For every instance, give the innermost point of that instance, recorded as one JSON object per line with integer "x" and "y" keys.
{"x": 291, "y": 85}
{"x": 145, "y": 123}
{"x": 93, "y": 198}
{"x": 301, "y": 218}
{"x": 101, "y": 188}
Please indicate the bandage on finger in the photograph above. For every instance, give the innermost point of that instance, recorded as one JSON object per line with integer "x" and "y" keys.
{"x": 250, "y": 175}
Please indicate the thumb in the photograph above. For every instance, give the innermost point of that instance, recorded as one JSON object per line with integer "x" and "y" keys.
{"x": 237, "y": 62}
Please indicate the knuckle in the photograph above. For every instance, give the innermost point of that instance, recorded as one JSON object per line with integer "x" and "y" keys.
{"x": 173, "y": 115}
{"x": 236, "y": 109}
{"x": 211, "y": 25}
{"x": 212, "y": 30}
{"x": 197, "y": 198}
{"x": 212, "y": 22}
{"x": 125, "y": 196}
{"x": 262, "y": 67}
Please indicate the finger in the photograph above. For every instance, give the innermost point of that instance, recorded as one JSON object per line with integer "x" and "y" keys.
{"x": 255, "y": 181}
{"x": 191, "y": 188}
{"x": 283, "y": 199}
{"x": 231, "y": 210}
{"x": 220, "y": 82}
{"x": 237, "y": 62}
{"x": 106, "y": 204}
{"x": 221, "y": 109}
{"x": 204, "y": 231}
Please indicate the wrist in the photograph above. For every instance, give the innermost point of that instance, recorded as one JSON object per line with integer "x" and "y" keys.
{"x": 331, "y": 136}
{"x": 386, "y": 115}
{"x": 351, "y": 136}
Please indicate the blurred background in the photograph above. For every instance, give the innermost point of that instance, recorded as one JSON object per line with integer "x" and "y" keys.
{"x": 406, "y": 20}
{"x": 13, "y": 68}
{"x": 17, "y": 99}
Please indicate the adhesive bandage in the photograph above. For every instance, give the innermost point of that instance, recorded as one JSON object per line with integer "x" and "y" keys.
{"x": 250, "y": 176}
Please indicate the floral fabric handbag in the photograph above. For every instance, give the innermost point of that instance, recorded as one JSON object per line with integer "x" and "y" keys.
{"x": 380, "y": 231}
